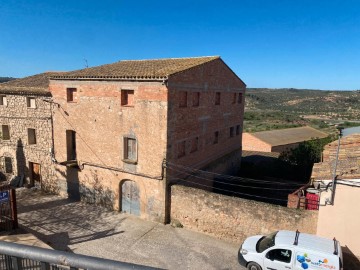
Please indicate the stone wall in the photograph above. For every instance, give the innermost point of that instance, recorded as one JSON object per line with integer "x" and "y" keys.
{"x": 19, "y": 117}
{"x": 234, "y": 219}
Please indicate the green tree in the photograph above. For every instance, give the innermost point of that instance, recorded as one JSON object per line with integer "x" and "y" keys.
{"x": 303, "y": 157}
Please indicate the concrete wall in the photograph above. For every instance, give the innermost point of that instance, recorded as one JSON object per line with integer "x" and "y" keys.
{"x": 19, "y": 118}
{"x": 234, "y": 219}
{"x": 101, "y": 123}
{"x": 342, "y": 220}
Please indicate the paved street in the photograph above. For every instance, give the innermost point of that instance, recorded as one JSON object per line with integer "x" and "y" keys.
{"x": 92, "y": 230}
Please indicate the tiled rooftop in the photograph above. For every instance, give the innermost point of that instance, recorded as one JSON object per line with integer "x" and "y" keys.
{"x": 348, "y": 165}
{"x": 36, "y": 84}
{"x": 137, "y": 69}
{"x": 289, "y": 135}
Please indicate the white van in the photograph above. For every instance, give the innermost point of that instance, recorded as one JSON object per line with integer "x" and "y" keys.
{"x": 284, "y": 250}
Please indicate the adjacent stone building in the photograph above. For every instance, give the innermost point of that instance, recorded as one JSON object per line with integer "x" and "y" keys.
{"x": 338, "y": 212}
{"x": 280, "y": 140}
{"x": 118, "y": 128}
{"x": 26, "y": 130}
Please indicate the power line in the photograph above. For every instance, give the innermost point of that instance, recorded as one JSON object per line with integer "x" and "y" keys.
{"x": 244, "y": 194}
{"x": 231, "y": 184}
{"x": 232, "y": 177}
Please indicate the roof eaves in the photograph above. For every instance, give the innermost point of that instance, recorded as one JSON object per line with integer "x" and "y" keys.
{"x": 111, "y": 78}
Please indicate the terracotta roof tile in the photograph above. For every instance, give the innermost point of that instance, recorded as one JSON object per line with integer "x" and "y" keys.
{"x": 137, "y": 69}
{"x": 289, "y": 135}
{"x": 36, "y": 84}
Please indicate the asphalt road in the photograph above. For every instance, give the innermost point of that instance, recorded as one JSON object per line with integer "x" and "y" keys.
{"x": 92, "y": 230}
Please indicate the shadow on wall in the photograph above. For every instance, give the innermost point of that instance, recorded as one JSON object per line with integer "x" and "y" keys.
{"x": 21, "y": 167}
{"x": 72, "y": 187}
{"x": 351, "y": 262}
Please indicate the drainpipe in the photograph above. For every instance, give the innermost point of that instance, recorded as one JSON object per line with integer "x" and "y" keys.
{"x": 333, "y": 185}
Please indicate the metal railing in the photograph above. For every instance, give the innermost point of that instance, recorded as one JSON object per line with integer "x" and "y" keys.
{"x": 21, "y": 257}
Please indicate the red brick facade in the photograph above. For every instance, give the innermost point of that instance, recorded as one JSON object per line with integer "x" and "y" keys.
{"x": 174, "y": 120}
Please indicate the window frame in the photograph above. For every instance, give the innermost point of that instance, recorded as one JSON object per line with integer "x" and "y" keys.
{"x": 126, "y": 157}
{"x": 237, "y": 132}
{"x": 278, "y": 256}
{"x": 232, "y": 132}
{"x": 4, "y": 160}
{"x": 183, "y": 99}
{"x": 181, "y": 145}
{"x": 71, "y": 94}
{"x": 217, "y": 98}
{"x": 216, "y": 137}
{"x": 125, "y": 93}
{"x": 196, "y": 99}
{"x": 240, "y": 98}
{"x": 194, "y": 145}
{"x": 8, "y": 132}
{"x": 29, "y": 104}
{"x": 32, "y": 136}
{"x": 3, "y": 100}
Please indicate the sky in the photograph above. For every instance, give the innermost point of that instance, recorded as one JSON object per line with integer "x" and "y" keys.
{"x": 268, "y": 43}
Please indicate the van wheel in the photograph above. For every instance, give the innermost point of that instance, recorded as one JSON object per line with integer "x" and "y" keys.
{"x": 253, "y": 266}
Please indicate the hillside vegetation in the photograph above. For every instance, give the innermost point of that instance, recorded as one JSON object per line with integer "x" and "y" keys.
{"x": 267, "y": 109}
{"x": 6, "y": 79}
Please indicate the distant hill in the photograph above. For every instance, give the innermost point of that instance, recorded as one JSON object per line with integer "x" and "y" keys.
{"x": 267, "y": 109}
{"x": 339, "y": 104}
{"x": 6, "y": 79}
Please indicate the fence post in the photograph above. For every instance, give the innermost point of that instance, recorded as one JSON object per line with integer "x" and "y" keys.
{"x": 13, "y": 208}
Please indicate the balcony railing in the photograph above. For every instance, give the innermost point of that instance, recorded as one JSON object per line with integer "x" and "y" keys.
{"x": 21, "y": 257}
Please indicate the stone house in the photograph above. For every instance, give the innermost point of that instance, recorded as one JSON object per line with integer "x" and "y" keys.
{"x": 26, "y": 130}
{"x": 279, "y": 140}
{"x": 118, "y": 128}
{"x": 338, "y": 216}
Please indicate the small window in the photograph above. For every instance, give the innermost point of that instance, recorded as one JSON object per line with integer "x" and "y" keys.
{"x": 237, "y": 129}
{"x": 281, "y": 255}
{"x": 127, "y": 98}
{"x": 194, "y": 145}
{"x": 234, "y": 98}
{"x": 240, "y": 98}
{"x": 5, "y": 132}
{"x": 6, "y": 164}
{"x": 216, "y": 137}
{"x": 231, "y": 132}
{"x": 196, "y": 99}
{"x": 181, "y": 149}
{"x": 217, "y": 98}
{"x": 183, "y": 99}
{"x": 71, "y": 144}
{"x": 31, "y": 102}
{"x": 31, "y": 136}
{"x": 71, "y": 94}
{"x": 3, "y": 101}
{"x": 130, "y": 152}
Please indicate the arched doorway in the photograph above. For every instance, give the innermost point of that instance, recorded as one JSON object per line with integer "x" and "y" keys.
{"x": 130, "y": 197}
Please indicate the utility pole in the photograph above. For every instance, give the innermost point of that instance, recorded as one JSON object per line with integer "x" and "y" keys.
{"x": 333, "y": 186}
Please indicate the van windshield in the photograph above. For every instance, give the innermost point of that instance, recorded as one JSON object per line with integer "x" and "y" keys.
{"x": 265, "y": 242}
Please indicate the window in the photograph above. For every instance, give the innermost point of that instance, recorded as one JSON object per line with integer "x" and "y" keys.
{"x": 71, "y": 145}
{"x": 183, "y": 99}
{"x": 6, "y": 165}
{"x": 3, "y": 101}
{"x": 130, "y": 152}
{"x": 234, "y": 98}
{"x": 216, "y": 137}
{"x": 240, "y": 98}
{"x": 217, "y": 98}
{"x": 5, "y": 132}
{"x": 196, "y": 99}
{"x": 30, "y": 102}
{"x": 71, "y": 95}
{"x": 194, "y": 145}
{"x": 237, "y": 129}
{"x": 281, "y": 255}
{"x": 31, "y": 136}
{"x": 181, "y": 149}
{"x": 127, "y": 98}
{"x": 231, "y": 132}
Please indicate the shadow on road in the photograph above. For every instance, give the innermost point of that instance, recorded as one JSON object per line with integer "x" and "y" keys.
{"x": 60, "y": 222}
